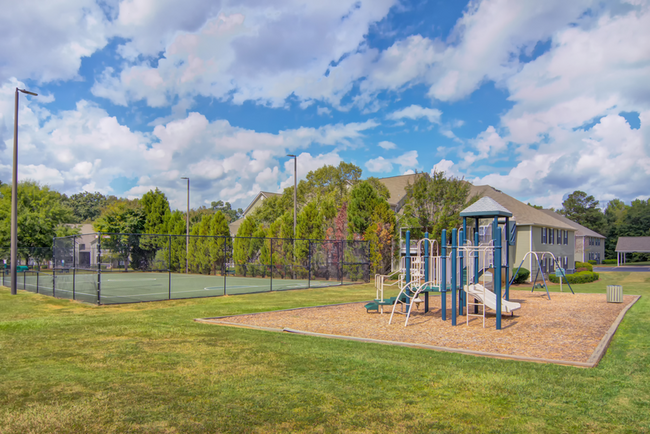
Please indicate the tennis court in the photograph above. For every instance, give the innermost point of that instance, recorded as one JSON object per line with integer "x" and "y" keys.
{"x": 116, "y": 287}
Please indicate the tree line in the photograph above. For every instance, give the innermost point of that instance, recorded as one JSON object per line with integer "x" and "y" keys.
{"x": 617, "y": 219}
{"x": 333, "y": 203}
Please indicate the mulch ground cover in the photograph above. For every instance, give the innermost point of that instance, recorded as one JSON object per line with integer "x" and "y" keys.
{"x": 568, "y": 327}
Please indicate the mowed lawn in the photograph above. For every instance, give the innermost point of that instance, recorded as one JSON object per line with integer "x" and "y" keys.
{"x": 67, "y": 367}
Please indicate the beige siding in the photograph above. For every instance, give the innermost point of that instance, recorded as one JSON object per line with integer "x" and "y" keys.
{"x": 522, "y": 247}
{"x": 558, "y": 250}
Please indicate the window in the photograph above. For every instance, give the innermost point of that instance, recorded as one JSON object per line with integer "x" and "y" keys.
{"x": 566, "y": 237}
{"x": 552, "y": 237}
{"x": 82, "y": 247}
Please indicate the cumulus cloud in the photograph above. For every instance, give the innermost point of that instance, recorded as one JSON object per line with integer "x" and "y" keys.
{"x": 406, "y": 161}
{"x": 45, "y": 41}
{"x": 387, "y": 145}
{"x": 85, "y": 148}
{"x": 416, "y": 112}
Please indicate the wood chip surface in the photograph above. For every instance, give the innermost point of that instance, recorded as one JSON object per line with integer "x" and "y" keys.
{"x": 568, "y": 327}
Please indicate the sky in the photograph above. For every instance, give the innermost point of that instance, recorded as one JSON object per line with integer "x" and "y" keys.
{"x": 537, "y": 99}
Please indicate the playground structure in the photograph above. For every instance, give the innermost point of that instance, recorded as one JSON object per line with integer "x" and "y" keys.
{"x": 560, "y": 272}
{"x": 462, "y": 272}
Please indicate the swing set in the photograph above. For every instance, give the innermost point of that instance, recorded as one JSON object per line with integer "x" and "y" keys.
{"x": 539, "y": 258}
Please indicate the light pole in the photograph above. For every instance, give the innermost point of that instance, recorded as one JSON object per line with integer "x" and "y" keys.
{"x": 295, "y": 191}
{"x": 187, "y": 229}
{"x": 14, "y": 200}
{"x": 295, "y": 208}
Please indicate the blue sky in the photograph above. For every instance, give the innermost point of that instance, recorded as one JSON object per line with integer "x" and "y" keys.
{"x": 537, "y": 99}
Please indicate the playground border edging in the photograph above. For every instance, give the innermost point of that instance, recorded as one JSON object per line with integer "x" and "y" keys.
{"x": 592, "y": 362}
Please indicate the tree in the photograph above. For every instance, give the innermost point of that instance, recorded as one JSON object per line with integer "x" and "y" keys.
{"x": 123, "y": 219}
{"x": 434, "y": 203}
{"x": 156, "y": 211}
{"x": 363, "y": 200}
{"x": 227, "y": 210}
{"x": 41, "y": 212}
{"x": 380, "y": 234}
{"x": 242, "y": 244}
{"x": 87, "y": 206}
{"x": 583, "y": 209}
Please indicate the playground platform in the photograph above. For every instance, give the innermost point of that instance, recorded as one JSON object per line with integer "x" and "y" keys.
{"x": 569, "y": 330}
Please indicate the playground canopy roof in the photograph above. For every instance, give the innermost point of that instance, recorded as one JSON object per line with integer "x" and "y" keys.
{"x": 485, "y": 207}
{"x": 633, "y": 244}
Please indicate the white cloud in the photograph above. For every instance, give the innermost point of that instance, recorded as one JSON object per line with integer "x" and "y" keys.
{"x": 85, "y": 148}
{"x": 46, "y": 40}
{"x": 387, "y": 145}
{"x": 416, "y": 112}
{"x": 406, "y": 161}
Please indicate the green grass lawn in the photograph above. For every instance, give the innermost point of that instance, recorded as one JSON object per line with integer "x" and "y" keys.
{"x": 70, "y": 367}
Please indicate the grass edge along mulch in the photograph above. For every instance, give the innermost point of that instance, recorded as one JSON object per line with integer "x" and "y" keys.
{"x": 592, "y": 362}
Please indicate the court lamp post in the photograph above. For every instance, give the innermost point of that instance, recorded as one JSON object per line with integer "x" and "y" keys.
{"x": 187, "y": 228}
{"x": 295, "y": 207}
{"x": 14, "y": 200}
{"x": 295, "y": 190}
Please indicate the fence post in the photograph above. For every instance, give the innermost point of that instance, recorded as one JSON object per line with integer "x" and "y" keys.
{"x": 225, "y": 275}
{"x": 54, "y": 267}
{"x": 169, "y": 267}
{"x": 341, "y": 250}
{"x": 38, "y": 273}
{"x": 74, "y": 266}
{"x": 271, "y": 247}
{"x": 99, "y": 268}
{"x": 309, "y": 265}
{"x": 24, "y": 279}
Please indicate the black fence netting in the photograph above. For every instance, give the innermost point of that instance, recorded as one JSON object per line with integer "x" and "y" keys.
{"x": 109, "y": 268}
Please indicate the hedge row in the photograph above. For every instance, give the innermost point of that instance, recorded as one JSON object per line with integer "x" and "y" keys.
{"x": 586, "y": 265}
{"x": 609, "y": 261}
{"x": 581, "y": 277}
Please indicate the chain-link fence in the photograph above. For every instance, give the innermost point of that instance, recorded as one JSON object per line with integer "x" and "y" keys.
{"x": 109, "y": 268}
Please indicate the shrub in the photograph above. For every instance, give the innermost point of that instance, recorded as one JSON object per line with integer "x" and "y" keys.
{"x": 581, "y": 277}
{"x": 592, "y": 261}
{"x": 609, "y": 261}
{"x": 585, "y": 265}
{"x": 522, "y": 276}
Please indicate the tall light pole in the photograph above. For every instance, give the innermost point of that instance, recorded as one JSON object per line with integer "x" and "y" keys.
{"x": 14, "y": 200}
{"x": 295, "y": 191}
{"x": 187, "y": 230}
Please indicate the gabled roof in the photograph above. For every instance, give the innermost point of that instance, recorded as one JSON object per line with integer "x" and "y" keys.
{"x": 260, "y": 196}
{"x": 485, "y": 207}
{"x": 234, "y": 226}
{"x": 633, "y": 244}
{"x": 581, "y": 231}
{"x": 523, "y": 214}
{"x": 396, "y": 186}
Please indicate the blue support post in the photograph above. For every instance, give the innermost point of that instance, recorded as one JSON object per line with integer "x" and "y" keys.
{"x": 454, "y": 248}
{"x": 407, "y": 264}
{"x": 426, "y": 270}
{"x": 507, "y": 280}
{"x": 477, "y": 253}
{"x": 497, "y": 275}
{"x": 461, "y": 267}
{"x": 443, "y": 275}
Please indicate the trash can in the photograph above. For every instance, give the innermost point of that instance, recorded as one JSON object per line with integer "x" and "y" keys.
{"x": 614, "y": 294}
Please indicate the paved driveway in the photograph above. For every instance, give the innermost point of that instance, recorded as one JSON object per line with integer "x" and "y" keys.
{"x": 633, "y": 269}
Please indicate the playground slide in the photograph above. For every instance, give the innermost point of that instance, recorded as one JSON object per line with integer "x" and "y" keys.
{"x": 490, "y": 298}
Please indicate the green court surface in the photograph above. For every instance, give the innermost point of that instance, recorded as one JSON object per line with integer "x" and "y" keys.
{"x": 134, "y": 286}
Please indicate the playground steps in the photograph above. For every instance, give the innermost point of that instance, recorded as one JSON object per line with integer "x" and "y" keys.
{"x": 376, "y": 304}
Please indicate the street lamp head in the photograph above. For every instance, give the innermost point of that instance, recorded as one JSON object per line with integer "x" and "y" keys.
{"x": 291, "y": 155}
{"x": 185, "y": 177}
{"x": 27, "y": 92}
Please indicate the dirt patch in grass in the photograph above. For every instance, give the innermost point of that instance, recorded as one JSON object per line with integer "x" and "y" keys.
{"x": 568, "y": 327}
